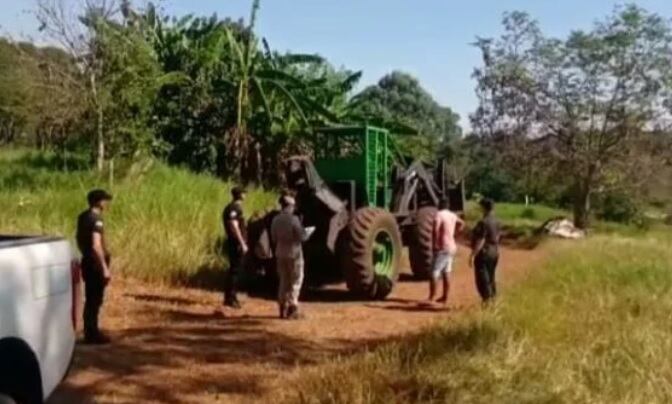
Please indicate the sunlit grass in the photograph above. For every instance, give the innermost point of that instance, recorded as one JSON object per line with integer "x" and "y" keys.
{"x": 514, "y": 214}
{"x": 592, "y": 326}
{"x": 163, "y": 225}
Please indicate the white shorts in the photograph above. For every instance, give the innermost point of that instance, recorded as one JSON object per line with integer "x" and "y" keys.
{"x": 443, "y": 263}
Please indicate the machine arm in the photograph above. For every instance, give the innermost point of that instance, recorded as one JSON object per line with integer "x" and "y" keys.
{"x": 415, "y": 187}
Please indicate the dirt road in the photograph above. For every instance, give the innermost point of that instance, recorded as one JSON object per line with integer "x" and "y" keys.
{"x": 169, "y": 347}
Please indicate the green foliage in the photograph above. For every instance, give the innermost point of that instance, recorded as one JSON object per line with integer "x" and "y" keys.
{"x": 193, "y": 116}
{"x": 485, "y": 176}
{"x": 244, "y": 106}
{"x": 39, "y": 105}
{"x": 209, "y": 94}
{"x": 528, "y": 213}
{"x": 591, "y": 325}
{"x": 398, "y": 101}
{"x": 13, "y": 93}
{"x": 620, "y": 208}
{"x": 130, "y": 81}
{"x": 518, "y": 219}
{"x": 582, "y": 104}
{"x": 205, "y": 93}
{"x": 164, "y": 223}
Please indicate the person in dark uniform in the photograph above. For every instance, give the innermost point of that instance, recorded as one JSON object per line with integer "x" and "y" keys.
{"x": 95, "y": 262}
{"x": 485, "y": 251}
{"x": 236, "y": 245}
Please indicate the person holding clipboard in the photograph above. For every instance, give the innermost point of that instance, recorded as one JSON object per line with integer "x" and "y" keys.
{"x": 288, "y": 235}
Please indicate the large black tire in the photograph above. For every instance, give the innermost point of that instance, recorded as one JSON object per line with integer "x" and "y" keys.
{"x": 19, "y": 372}
{"x": 421, "y": 250}
{"x": 368, "y": 228}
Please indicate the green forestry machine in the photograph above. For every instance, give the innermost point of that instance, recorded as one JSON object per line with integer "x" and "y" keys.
{"x": 366, "y": 201}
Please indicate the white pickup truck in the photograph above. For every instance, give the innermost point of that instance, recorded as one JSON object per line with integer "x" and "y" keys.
{"x": 39, "y": 294}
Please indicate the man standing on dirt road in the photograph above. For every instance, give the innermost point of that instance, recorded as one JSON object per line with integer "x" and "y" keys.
{"x": 446, "y": 225}
{"x": 95, "y": 262}
{"x": 485, "y": 251}
{"x": 236, "y": 245}
{"x": 288, "y": 235}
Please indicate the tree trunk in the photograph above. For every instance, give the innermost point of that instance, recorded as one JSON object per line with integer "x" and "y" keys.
{"x": 582, "y": 198}
{"x": 582, "y": 209}
{"x": 259, "y": 174}
{"x": 100, "y": 154}
{"x": 111, "y": 174}
{"x": 64, "y": 154}
{"x": 100, "y": 140}
{"x": 48, "y": 139}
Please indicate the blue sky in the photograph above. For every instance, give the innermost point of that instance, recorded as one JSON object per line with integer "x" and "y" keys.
{"x": 427, "y": 38}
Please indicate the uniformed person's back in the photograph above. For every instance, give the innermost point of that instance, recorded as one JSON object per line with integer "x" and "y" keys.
{"x": 234, "y": 212}
{"x": 88, "y": 222}
{"x": 95, "y": 262}
{"x": 233, "y": 220}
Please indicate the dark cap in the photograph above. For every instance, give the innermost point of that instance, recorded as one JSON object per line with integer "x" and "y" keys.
{"x": 98, "y": 195}
{"x": 237, "y": 192}
{"x": 487, "y": 204}
{"x": 287, "y": 200}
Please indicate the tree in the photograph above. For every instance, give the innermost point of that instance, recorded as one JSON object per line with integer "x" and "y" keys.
{"x": 129, "y": 84}
{"x": 320, "y": 98}
{"x": 203, "y": 92}
{"x": 194, "y": 115}
{"x": 77, "y": 34}
{"x": 38, "y": 104}
{"x": 263, "y": 81}
{"x": 14, "y": 92}
{"x": 398, "y": 100}
{"x": 588, "y": 97}
{"x": 243, "y": 101}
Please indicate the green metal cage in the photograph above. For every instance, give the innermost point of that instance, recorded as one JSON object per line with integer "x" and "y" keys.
{"x": 360, "y": 154}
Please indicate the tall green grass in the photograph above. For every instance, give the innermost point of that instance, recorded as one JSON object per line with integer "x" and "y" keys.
{"x": 592, "y": 326}
{"x": 164, "y": 223}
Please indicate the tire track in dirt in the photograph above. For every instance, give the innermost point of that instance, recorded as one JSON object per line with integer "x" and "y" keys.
{"x": 170, "y": 348}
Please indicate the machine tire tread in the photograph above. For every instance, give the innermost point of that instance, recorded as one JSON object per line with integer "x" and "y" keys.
{"x": 421, "y": 250}
{"x": 358, "y": 266}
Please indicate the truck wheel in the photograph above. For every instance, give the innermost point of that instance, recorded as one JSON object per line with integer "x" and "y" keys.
{"x": 372, "y": 253}
{"x": 19, "y": 372}
{"x": 421, "y": 250}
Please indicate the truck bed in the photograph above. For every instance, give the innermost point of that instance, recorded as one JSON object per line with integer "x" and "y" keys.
{"x": 18, "y": 241}
{"x": 38, "y": 310}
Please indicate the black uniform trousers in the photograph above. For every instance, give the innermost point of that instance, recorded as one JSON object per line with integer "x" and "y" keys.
{"x": 485, "y": 265}
{"x": 231, "y": 282}
{"x": 94, "y": 293}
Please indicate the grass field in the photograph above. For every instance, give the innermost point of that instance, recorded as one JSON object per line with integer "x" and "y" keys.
{"x": 164, "y": 223}
{"x": 520, "y": 223}
{"x": 518, "y": 215}
{"x": 593, "y": 326}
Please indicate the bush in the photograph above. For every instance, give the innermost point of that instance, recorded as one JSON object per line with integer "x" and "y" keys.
{"x": 620, "y": 208}
{"x": 528, "y": 213}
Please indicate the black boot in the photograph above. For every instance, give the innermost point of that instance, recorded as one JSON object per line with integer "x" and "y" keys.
{"x": 97, "y": 339}
{"x": 233, "y": 303}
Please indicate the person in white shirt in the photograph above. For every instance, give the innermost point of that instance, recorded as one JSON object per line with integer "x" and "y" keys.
{"x": 446, "y": 225}
{"x": 288, "y": 234}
